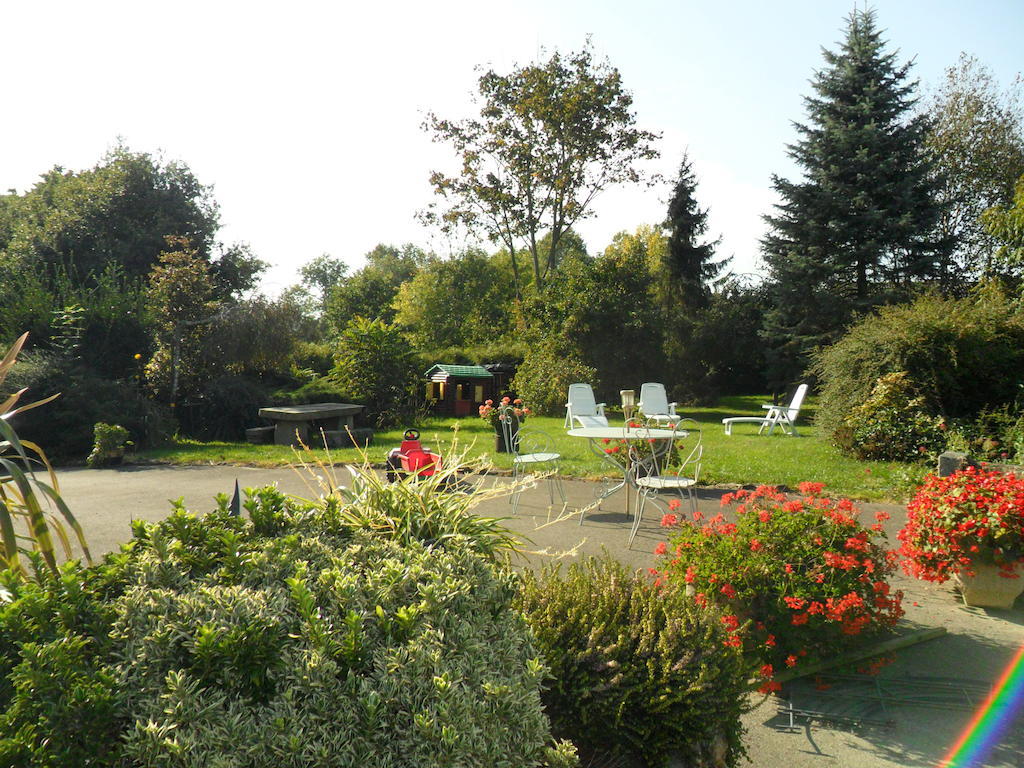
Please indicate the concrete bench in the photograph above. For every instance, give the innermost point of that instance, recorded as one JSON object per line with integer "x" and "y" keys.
{"x": 339, "y": 438}
{"x": 295, "y": 423}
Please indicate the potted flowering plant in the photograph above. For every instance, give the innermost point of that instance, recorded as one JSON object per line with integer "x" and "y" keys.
{"x": 507, "y": 410}
{"x": 799, "y": 579}
{"x": 968, "y": 526}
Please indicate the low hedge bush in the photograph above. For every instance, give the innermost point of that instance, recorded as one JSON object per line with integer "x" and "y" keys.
{"x": 635, "y": 670}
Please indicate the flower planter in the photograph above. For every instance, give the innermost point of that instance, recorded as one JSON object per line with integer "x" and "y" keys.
{"x": 987, "y": 589}
{"x": 501, "y": 442}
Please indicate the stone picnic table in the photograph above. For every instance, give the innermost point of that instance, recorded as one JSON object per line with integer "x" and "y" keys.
{"x": 289, "y": 419}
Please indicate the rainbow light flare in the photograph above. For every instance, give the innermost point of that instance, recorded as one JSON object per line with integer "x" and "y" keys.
{"x": 992, "y": 719}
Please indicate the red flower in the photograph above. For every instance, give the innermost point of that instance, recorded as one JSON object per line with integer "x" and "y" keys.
{"x": 661, "y": 549}
{"x": 811, "y": 489}
{"x": 729, "y": 591}
{"x": 770, "y": 687}
{"x": 755, "y": 545}
{"x": 791, "y": 660}
{"x": 674, "y": 504}
{"x": 668, "y": 520}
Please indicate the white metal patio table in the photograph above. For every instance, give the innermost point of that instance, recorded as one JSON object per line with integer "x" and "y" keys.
{"x": 599, "y": 436}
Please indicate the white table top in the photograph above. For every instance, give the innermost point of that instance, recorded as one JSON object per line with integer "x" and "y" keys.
{"x": 624, "y": 433}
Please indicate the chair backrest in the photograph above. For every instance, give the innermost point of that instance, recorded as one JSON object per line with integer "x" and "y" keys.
{"x": 657, "y": 456}
{"x": 653, "y": 399}
{"x": 581, "y": 400}
{"x": 510, "y": 426}
{"x": 796, "y": 402}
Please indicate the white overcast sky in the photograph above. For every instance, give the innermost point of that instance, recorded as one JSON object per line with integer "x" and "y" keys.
{"x": 305, "y": 116}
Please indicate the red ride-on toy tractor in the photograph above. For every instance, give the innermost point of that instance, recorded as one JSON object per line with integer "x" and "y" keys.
{"x": 411, "y": 458}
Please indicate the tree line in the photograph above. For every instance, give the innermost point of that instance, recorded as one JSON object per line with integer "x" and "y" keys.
{"x": 117, "y": 272}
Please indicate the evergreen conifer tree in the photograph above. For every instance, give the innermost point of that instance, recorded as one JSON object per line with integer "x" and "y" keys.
{"x": 689, "y": 264}
{"x": 855, "y": 231}
{"x": 684, "y": 286}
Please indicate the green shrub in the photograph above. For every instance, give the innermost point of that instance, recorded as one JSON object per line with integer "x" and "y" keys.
{"x": 997, "y": 434}
{"x": 109, "y": 444}
{"x": 317, "y": 357}
{"x": 892, "y": 425}
{"x": 706, "y": 368}
{"x": 633, "y": 668}
{"x": 962, "y": 355}
{"x": 544, "y": 377}
{"x": 319, "y": 390}
{"x": 376, "y": 367}
{"x": 292, "y": 639}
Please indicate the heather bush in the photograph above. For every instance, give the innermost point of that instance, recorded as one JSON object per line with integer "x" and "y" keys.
{"x": 635, "y": 670}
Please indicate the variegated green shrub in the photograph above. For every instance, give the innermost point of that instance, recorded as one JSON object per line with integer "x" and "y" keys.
{"x": 300, "y": 639}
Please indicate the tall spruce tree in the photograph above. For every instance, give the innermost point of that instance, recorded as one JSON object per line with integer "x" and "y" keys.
{"x": 855, "y": 231}
{"x": 690, "y": 264}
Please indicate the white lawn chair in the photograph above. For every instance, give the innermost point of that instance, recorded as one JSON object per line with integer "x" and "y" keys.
{"x": 654, "y": 404}
{"x": 652, "y": 476}
{"x": 777, "y": 416}
{"x": 582, "y": 408}
{"x": 532, "y": 451}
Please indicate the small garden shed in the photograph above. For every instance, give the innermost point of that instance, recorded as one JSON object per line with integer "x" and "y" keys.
{"x": 457, "y": 390}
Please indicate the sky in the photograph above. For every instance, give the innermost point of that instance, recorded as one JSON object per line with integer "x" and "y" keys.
{"x": 305, "y": 117}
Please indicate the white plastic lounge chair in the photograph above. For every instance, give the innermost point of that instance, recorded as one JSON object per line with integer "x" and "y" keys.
{"x": 777, "y": 416}
{"x": 582, "y": 408}
{"x": 654, "y": 404}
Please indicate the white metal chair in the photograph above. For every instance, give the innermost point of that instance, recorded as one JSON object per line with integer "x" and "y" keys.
{"x": 652, "y": 460}
{"x": 583, "y": 408}
{"x": 777, "y": 416}
{"x": 654, "y": 404}
{"x": 531, "y": 450}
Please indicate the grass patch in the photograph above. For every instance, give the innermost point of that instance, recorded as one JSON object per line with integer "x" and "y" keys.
{"x": 744, "y": 458}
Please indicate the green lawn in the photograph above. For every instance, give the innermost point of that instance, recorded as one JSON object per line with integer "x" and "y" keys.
{"x": 742, "y": 458}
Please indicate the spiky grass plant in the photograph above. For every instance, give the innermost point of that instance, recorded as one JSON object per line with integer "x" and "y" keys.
{"x": 433, "y": 509}
{"x": 31, "y": 509}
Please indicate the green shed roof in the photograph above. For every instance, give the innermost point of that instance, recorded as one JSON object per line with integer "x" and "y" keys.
{"x": 441, "y": 371}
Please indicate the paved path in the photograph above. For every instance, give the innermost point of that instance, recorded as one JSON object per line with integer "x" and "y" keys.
{"x": 978, "y": 645}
